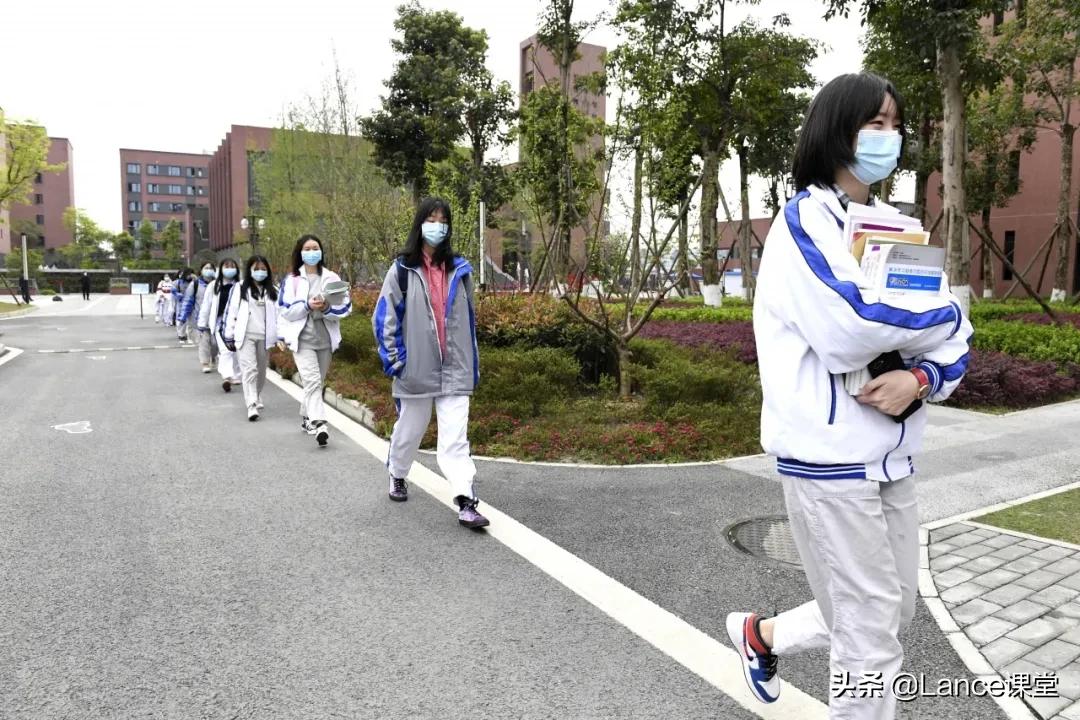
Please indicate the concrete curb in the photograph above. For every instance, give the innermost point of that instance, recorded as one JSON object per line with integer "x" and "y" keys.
{"x": 17, "y": 313}
{"x": 349, "y": 408}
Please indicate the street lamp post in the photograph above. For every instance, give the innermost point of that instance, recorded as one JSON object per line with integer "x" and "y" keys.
{"x": 253, "y": 224}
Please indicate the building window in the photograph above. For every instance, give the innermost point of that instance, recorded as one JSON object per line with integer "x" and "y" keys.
{"x": 178, "y": 207}
{"x": 1010, "y": 253}
{"x": 134, "y": 187}
{"x": 158, "y": 225}
{"x": 181, "y": 224}
{"x": 153, "y": 170}
{"x": 153, "y": 207}
{"x": 190, "y": 189}
{"x": 196, "y": 172}
{"x": 134, "y": 205}
{"x": 176, "y": 189}
{"x": 153, "y": 188}
{"x": 174, "y": 170}
{"x": 133, "y": 168}
{"x": 39, "y": 198}
{"x": 39, "y": 219}
{"x": 200, "y": 190}
{"x": 1014, "y": 172}
{"x": 37, "y": 178}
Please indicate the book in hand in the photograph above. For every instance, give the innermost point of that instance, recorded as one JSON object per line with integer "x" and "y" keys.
{"x": 898, "y": 269}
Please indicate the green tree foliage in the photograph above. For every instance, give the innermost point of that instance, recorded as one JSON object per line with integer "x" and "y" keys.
{"x": 86, "y": 251}
{"x": 421, "y": 116}
{"x": 146, "y": 239}
{"x": 171, "y": 241}
{"x": 25, "y": 155}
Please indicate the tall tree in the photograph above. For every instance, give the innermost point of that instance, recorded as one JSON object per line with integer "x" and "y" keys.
{"x": 123, "y": 245}
{"x": 24, "y": 156}
{"x": 954, "y": 25}
{"x": 86, "y": 250}
{"x": 1044, "y": 48}
{"x": 170, "y": 241}
{"x": 146, "y": 239}
{"x": 421, "y": 116}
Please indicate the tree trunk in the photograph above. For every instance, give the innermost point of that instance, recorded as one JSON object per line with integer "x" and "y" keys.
{"x": 922, "y": 175}
{"x": 416, "y": 194}
{"x": 624, "y": 355}
{"x": 957, "y": 238}
{"x": 635, "y": 223}
{"x": 1064, "y": 227}
{"x": 710, "y": 194}
{"x": 774, "y": 197}
{"x": 987, "y": 257}
{"x": 683, "y": 263}
{"x": 744, "y": 226}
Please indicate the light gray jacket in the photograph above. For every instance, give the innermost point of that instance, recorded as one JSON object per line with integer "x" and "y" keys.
{"x": 404, "y": 327}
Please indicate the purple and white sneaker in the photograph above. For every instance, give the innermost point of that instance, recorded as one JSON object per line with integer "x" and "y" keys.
{"x": 758, "y": 661}
{"x": 399, "y": 490}
{"x": 467, "y": 514}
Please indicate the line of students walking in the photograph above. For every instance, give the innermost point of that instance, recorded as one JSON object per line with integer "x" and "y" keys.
{"x": 236, "y": 317}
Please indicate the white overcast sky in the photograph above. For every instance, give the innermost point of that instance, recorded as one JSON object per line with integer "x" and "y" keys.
{"x": 175, "y": 76}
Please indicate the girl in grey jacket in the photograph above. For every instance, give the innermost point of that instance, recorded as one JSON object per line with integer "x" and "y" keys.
{"x": 425, "y": 329}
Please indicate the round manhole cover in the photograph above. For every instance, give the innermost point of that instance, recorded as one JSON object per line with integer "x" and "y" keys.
{"x": 766, "y": 537}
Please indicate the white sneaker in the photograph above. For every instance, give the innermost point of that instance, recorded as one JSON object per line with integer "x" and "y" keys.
{"x": 320, "y": 431}
{"x": 253, "y": 413}
{"x": 259, "y": 404}
{"x": 759, "y": 670}
{"x": 207, "y": 369}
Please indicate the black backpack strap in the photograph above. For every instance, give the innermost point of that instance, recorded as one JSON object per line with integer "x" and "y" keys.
{"x": 402, "y": 278}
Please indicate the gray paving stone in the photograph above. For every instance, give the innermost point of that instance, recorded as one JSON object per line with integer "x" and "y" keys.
{"x": 973, "y": 611}
{"x": 1000, "y": 541}
{"x": 995, "y": 578}
{"x": 1054, "y": 552}
{"x": 1072, "y": 636}
{"x": 953, "y": 577}
{"x": 949, "y": 531}
{"x": 1069, "y": 680}
{"x": 988, "y": 629}
{"x": 939, "y": 549}
{"x": 1070, "y": 713}
{"x": 946, "y": 562}
{"x": 962, "y": 593}
{"x": 1008, "y": 594}
{"x": 1048, "y": 707}
{"x": 1068, "y": 611}
{"x": 1022, "y": 612}
{"x": 1033, "y": 544}
{"x": 1037, "y": 632}
{"x": 968, "y": 538}
{"x": 1053, "y": 596}
{"x": 1045, "y": 709}
{"x": 1065, "y": 566}
{"x": 984, "y": 564}
{"x": 1073, "y": 581}
{"x": 1039, "y": 579}
{"x": 1012, "y": 552}
{"x": 1025, "y": 564}
{"x": 1054, "y": 655}
{"x": 974, "y": 551}
{"x": 984, "y": 533}
{"x": 1003, "y": 651}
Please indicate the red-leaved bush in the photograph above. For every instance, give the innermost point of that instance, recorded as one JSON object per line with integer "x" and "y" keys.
{"x": 999, "y": 380}
{"x": 737, "y": 337}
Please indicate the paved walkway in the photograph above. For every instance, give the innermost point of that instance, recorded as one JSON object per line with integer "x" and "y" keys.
{"x": 1018, "y": 601}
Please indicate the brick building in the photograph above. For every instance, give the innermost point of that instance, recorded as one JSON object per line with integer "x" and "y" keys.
{"x": 52, "y": 194}
{"x": 160, "y": 186}
{"x": 233, "y": 183}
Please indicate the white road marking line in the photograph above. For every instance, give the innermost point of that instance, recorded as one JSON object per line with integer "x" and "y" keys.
{"x": 714, "y": 662}
{"x": 75, "y": 428}
{"x": 10, "y": 355}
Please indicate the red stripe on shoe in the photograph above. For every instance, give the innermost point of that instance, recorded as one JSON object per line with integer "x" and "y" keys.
{"x": 753, "y": 638}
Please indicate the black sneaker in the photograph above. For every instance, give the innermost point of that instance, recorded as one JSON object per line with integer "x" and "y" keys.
{"x": 305, "y": 425}
{"x": 399, "y": 491}
{"x": 467, "y": 514}
{"x": 320, "y": 431}
{"x": 226, "y": 385}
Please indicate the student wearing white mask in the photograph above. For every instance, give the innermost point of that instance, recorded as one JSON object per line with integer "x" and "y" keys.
{"x": 212, "y": 320}
{"x": 197, "y": 293}
{"x": 310, "y": 326}
{"x": 164, "y": 301}
{"x": 846, "y": 462}
{"x": 251, "y": 328}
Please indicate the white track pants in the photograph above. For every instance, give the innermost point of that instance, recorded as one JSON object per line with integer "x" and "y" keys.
{"x": 453, "y": 455}
{"x": 859, "y": 544}
{"x": 228, "y": 365}
{"x": 313, "y": 365}
{"x": 206, "y": 346}
{"x": 252, "y": 357}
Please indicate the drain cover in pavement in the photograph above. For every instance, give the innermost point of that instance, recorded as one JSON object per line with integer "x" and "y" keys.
{"x": 766, "y": 537}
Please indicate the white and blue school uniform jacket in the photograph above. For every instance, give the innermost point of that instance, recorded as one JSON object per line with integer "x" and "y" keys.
{"x": 293, "y": 309}
{"x": 816, "y": 319}
{"x": 238, "y": 311}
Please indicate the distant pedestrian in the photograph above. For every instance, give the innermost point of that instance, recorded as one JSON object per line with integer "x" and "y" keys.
{"x": 212, "y": 320}
{"x": 185, "y": 323}
{"x": 194, "y": 297}
{"x": 84, "y": 283}
{"x": 161, "y": 306}
{"x": 251, "y": 328}
{"x": 845, "y": 461}
{"x": 425, "y": 329}
{"x": 311, "y": 327}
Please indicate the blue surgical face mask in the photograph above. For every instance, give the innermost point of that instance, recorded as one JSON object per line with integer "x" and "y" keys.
{"x": 259, "y": 275}
{"x": 229, "y": 273}
{"x": 876, "y": 155}
{"x": 311, "y": 257}
{"x": 209, "y": 274}
{"x": 434, "y": 233}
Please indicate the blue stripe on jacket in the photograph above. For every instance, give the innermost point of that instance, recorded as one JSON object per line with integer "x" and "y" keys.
{"x": 849, "y": 291}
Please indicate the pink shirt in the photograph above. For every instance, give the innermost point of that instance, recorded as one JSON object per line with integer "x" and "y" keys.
{"x": 436, "y": 280}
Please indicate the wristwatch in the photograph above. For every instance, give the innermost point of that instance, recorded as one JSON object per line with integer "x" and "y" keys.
{"x": 924, "y": 383}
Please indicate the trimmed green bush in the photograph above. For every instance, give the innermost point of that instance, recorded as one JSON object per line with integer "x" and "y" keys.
{"x": 524, "y": 382}
{"x": 1060, "y": 344}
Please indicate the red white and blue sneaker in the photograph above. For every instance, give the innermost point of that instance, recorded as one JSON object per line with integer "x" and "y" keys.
{"x": 758, "y": 660}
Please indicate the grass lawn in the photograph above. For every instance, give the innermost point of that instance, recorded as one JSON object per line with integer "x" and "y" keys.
{"x": 1055, "y": 517}
{"x": 9, "y": 307}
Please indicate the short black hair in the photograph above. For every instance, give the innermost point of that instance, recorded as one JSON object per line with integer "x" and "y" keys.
{"x": 414, "y": 243}
{"x": 298, "y": 258}
{"x": 827, "y": 139}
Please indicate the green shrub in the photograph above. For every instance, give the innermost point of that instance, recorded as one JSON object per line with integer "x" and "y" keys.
{"x": 984, "y": 310}
{"x": 1059, "y": 344}
{"x": 667, "y": 375}
{"x": 524, "y": 382}
{"x": 736, "y": 313}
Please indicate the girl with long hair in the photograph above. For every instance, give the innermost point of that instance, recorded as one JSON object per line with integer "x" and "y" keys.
{"x": 212, "y": 320}
{"x": 251, "y": 328}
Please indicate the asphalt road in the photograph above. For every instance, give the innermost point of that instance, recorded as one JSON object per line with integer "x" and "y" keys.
{"x": 177, "y": 561}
